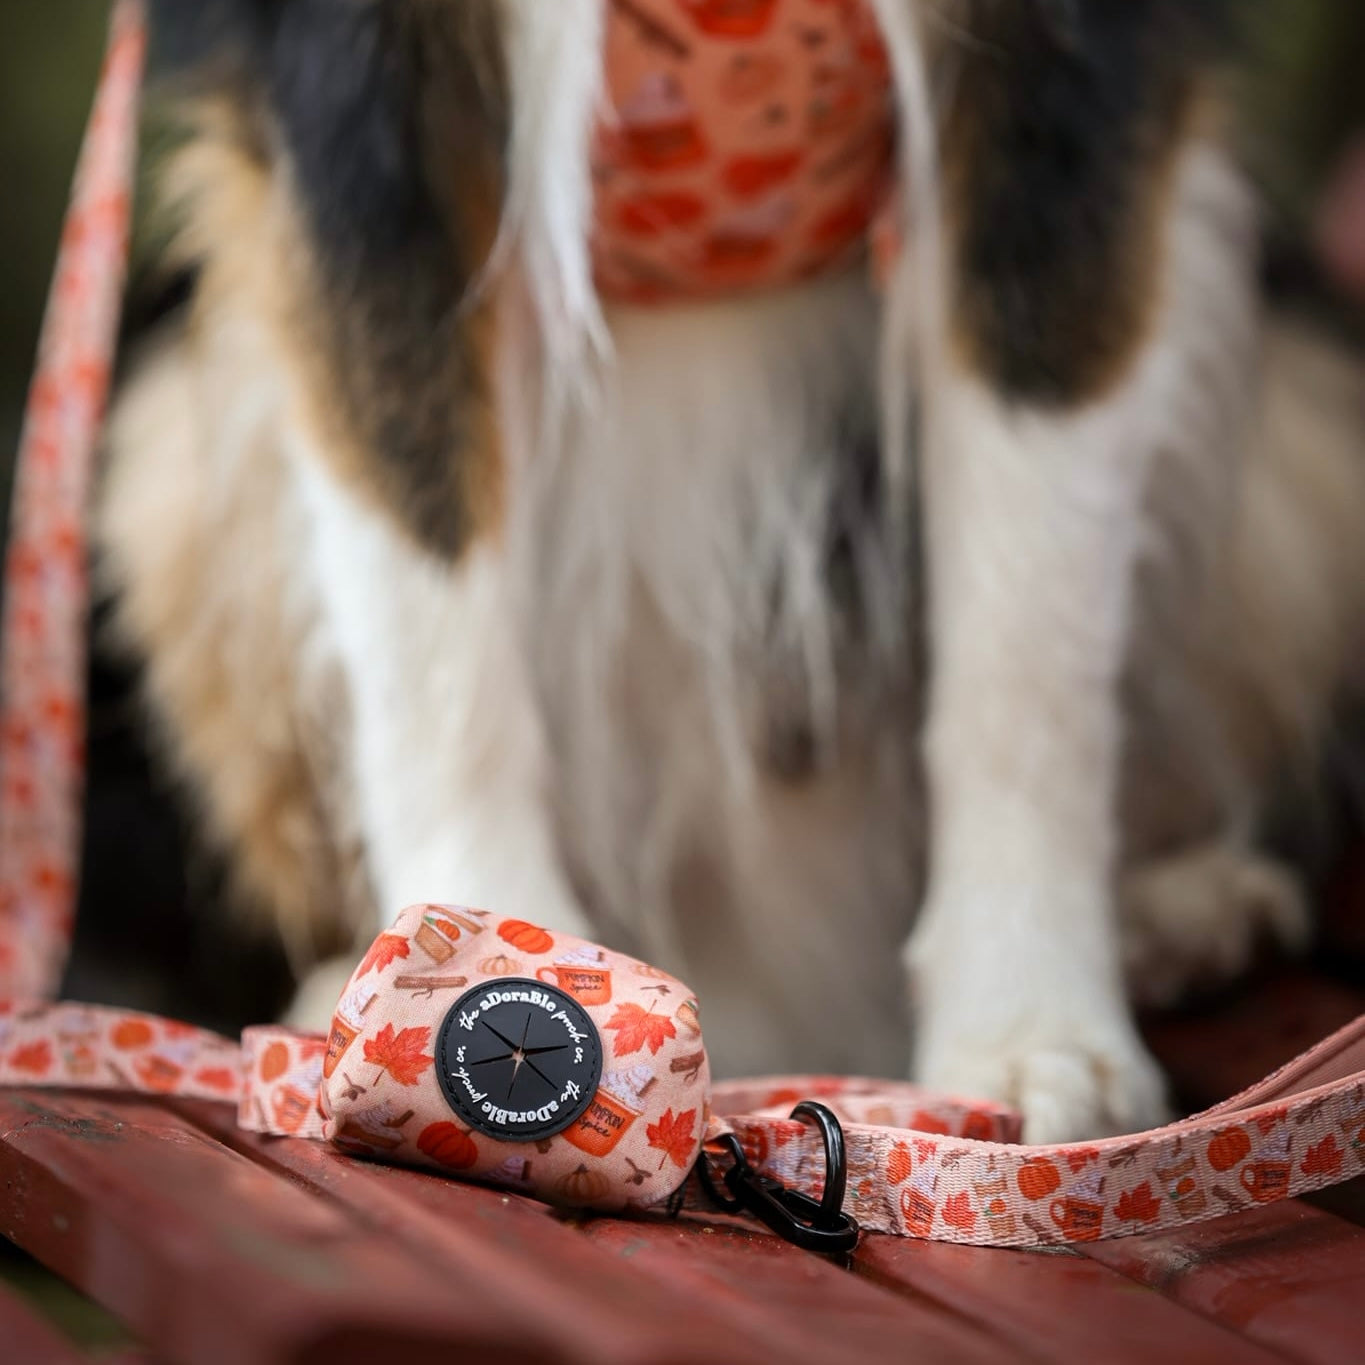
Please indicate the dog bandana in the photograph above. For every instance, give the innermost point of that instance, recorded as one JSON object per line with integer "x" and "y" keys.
{"x": 497, "y": 1050}
{"x": 746, "y": 144}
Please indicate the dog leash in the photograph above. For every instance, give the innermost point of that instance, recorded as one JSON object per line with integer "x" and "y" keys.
{"x": 42, "y": 664}
{"x": 493, "y": 1049}
{"x": 620, "y": 1114}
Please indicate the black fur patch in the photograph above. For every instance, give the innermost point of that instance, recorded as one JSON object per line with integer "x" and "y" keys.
{"x": 211, "y": 35}
{"x": 1065, "y": 116}
{"x": 389, "y": 119}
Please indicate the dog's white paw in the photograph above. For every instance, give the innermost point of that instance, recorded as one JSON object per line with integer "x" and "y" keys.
{"x": 1197, "y": 920}
{"x": 1087, "y": 1082}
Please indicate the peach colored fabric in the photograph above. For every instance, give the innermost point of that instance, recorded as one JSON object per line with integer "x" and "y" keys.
{"x": 96, "y": 1047}
{"x": 914, "y": 1174}
{"x": 746, "y": 144}
{"x": 639, "y": 1137}
{"x": 42, "y": 652}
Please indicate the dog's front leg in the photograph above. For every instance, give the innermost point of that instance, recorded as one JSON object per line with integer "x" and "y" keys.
{"x": 1059, "y": 154}
{"x": 1032, "y": 524}
{"x": 396, "y": 167}
{"x": 448, "y": 758}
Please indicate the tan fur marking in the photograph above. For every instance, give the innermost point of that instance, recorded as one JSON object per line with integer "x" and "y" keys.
{"x": 195, "y": 527}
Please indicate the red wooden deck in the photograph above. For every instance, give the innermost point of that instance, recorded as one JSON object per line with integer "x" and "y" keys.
{"x": 213, "y": 1246}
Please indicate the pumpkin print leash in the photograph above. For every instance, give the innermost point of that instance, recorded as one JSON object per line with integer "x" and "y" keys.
{"x": 498, "y": 1051}
{"x": 492, "y": 1049}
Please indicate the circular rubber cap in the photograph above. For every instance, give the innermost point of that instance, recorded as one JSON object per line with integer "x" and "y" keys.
{"x": 518, "y": 1060}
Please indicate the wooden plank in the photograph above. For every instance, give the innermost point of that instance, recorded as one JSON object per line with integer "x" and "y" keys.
{"x": 1212, "y": 1054}
{"x": 798, "y": 1298}
{"x": 88, "y": 1327}
{"x": 769, "y": 1298}
{"x": 1055, "y": 1305}
{"x": 1346, "y": 1201}
{"x": 212, "y": 1258}
{"x": 28, "y": 1338}
{"x": 1288, "y": 1276}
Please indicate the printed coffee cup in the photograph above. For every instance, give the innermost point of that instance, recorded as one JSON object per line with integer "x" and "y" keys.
{"x": 1266, "y": 1181}
{"x": 346, "y": 1025}
{"x": 588, "y": 985}
{"x": 1080, "y": 1220}
{"x": 618, "y": 1103}
{"x": 290, "y": 1106}
{"x": 601, "y": 1125}
{"x": 918, "y": 1207}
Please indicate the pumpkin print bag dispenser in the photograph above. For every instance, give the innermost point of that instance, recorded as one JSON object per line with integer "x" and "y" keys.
{"x": 498, "y": 1050}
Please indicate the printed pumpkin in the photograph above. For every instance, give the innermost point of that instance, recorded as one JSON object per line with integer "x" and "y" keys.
{"x": 448, "y": 1145}
{"x": 131, "y": 1033}
{"x": 1038, "y": 1179}
{"x": 1227, "y": 1147}
{"x": 526, "y": 938}
{"x": 583, "y": 1187}
{"x": 274, "y": 1062}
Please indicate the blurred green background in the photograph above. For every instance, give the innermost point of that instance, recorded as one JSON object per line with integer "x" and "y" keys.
{"x": 49, "y": 59}
{"x": 1305, "y": 91}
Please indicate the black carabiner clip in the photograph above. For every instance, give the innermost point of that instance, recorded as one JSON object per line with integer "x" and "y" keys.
{"x": 812, "y": 1224}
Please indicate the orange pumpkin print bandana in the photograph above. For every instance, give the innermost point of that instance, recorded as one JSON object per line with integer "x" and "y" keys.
{"x": 745, "y": 144}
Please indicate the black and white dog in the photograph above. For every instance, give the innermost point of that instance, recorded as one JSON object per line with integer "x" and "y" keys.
{"x": 897, "y": 663}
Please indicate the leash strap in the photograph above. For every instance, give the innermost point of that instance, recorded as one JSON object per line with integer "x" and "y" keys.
{"x": 42, "y": 652}
{"x": 914, "y": 1163}
{"x": 918, "y": 1164}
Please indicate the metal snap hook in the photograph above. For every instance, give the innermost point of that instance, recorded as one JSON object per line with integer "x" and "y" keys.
{"x": 819, "y": 1225}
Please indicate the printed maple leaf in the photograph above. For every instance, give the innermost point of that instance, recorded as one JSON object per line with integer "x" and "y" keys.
{"x": 958, "y": 1211}
{"x": 1138, "y": 1205}
{"x": 1268, "y": 1122}
{"x": 925, "y": 1122}
{"x": 673, "y": 1136}
{"x": 219, "y": 1078}
{"x": 382, "y": 951}
{"x": 34, "y": 1057}
{"x": 1081, "y": 1158}
{"x": 400, "y": 1054}
{"x": 1324, "y": 1159}
{"x": 637, "y": 1028}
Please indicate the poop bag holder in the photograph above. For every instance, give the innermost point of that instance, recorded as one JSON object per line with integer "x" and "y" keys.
{"x": 496, "y": 1049}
